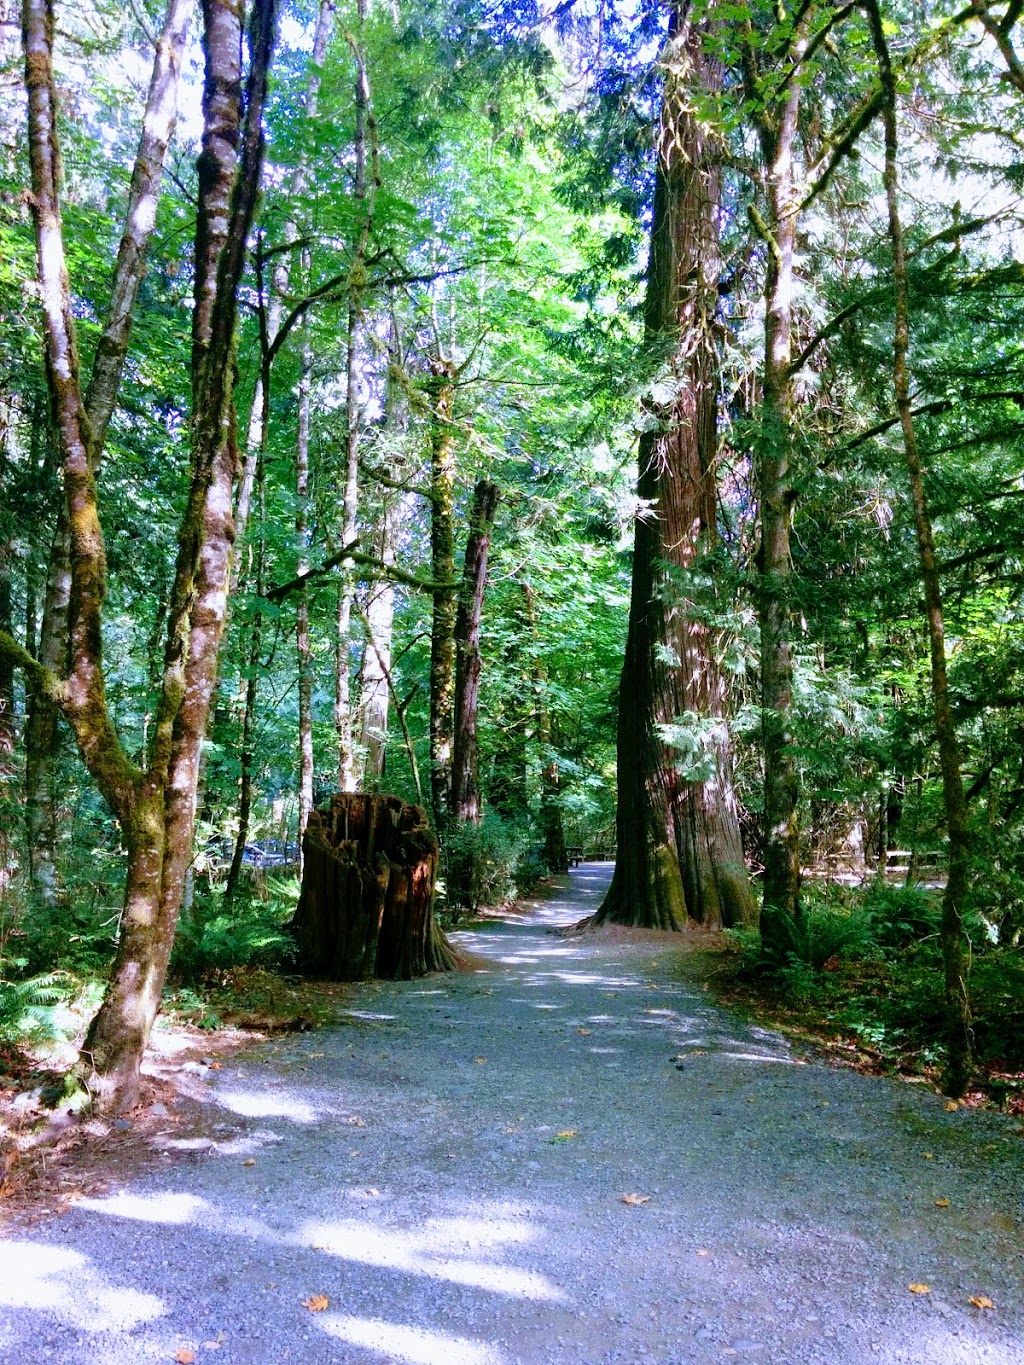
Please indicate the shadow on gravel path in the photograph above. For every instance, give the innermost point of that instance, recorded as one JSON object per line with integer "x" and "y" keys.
{"x": 448, "y": 1170}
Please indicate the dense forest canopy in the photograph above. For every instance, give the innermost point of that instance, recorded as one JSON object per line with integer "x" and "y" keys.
{"x": 692, "y": 330}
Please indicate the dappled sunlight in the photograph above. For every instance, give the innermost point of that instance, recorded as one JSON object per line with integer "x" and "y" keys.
{"x": 264, "y": 1105}
{"x": 415, "y": 1345}
{"x": 771, "y": 1058}
{"x": 438, "y": 1251}
{"x": 63, "y": 1282}
{"x": 165, "y": 1207}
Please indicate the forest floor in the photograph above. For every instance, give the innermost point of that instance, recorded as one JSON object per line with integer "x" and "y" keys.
{"x": 566, "y": 1153}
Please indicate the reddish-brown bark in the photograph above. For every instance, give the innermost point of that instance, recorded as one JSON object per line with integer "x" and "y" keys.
{"x": 678, "y": 842}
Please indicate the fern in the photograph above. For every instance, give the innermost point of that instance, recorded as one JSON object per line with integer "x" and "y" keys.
{"x": 30, "y": 1009}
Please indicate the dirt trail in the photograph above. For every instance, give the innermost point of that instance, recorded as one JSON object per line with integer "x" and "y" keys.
{"x": 447, "y": 1168}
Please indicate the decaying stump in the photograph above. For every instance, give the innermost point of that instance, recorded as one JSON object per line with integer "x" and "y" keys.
{"x": 367, "y": 903}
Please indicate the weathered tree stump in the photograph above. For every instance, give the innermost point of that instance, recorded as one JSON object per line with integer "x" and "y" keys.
{"x": 366, "y": 908}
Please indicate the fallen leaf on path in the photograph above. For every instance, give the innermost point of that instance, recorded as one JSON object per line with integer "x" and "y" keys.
{"x": 942, "y": 1203}
{"x": 566, "y": 1135}
{"x": 183, "y": 1356}
{"x": 316, "y": 1303}
{"x": 920, "y": 1288}
{"x": 952, "y": 1106}
{"x": 928, "y": 1156}
{"x": 636, "y": 1198}
{"x": 249, "y": 1161}
{"x": 585, "y": 1032}
{"x": 980, "y": 1301}
{"x": 479, "y": 1059}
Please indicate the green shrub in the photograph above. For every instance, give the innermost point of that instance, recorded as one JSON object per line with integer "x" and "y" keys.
{"x": 250, "y": 932}
{"x": 900, "y": 915}
{"x": 499, "y": 851}
{"x": 819, "y": 934}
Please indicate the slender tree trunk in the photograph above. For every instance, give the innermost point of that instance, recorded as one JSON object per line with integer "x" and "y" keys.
{"x": 465, "y": 800}
{"x": 442, "y": 561}
{"x": 303, "y": 644}
{"x": 959, "y": 1062}
{"x": 280, "y": 282}
{"x": 8, "y": 728}
{"x": 247, "y": 755}
{"x": 679, "y": 849}
{"x": 465, "y": 777}
{"x": 375, "y": 681}
{"x": 374, "y": 689}
{"x": 159, "y": 833}
{"x": 553, "y": 849}
{"x": 773, "y": 458}
{"x": 41, "y": 737}
{"x": 355, "y": 406}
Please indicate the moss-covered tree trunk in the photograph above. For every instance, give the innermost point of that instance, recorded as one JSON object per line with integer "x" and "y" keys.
{"x": 155, "y": 805}
{"x": 366, "y": 908}
{"x": 679, "y": 849}
{"x": 776, "y": 495}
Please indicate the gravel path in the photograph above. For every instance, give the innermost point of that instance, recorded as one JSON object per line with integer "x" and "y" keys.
{"x": 447, "y": 1167}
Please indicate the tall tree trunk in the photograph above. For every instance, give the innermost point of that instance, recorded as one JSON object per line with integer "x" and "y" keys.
{"x": 442, "y": 563}
{"x": 159, "y": 808}
{"x": 553, "y": 848}
{"x": 8, "y": 729}
{"x": 959, "y": 1062}
{"x": 247, "y": 754}
{"x": 355, "y": 406}
{"x": 465, "y": 801}
{"x": 773, "y": 461}
{"x": 41, "y": 736}
{"x": 374, "y": 690}
{"x": 303, "y": 644}
{"x": 375, "y": 681}
{"x": 679, "y": 848}
{"x": 280, "y": 285}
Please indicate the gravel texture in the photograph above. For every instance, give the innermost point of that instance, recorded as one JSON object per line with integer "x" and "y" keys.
{"x": 447, "y": 1168}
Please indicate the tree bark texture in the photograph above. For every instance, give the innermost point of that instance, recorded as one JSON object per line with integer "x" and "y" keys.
{"x": 465, "y": 792}
{"x": 679, "y": 849}
{"x": 355, "y": 416}
{"x": 552, "y": 832}
{"x": 303, "y": 643}
{"x": 374, "y": 687}
{"x": 280, "y": 283}
{"x": 155, "y": 806}
{"x": 442, "y": 567}
{"x": 776, "y": 495}
{"x": 158, "y": 122}
{"x": 959, "y": 1061}
{"x": 247, "y": 755}
{"x": 366, "y": 906}
{"x": 465, "y": 777}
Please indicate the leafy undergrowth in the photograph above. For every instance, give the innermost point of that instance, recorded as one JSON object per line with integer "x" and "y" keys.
{"x": 879, "y": 1014}
{"x": 256, "y": 999}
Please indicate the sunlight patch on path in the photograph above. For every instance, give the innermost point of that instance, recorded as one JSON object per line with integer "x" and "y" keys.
{"x": 429, "y": 1252}
{"x": 415, "y": 1345}
{"x": 63, "y": 1282}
